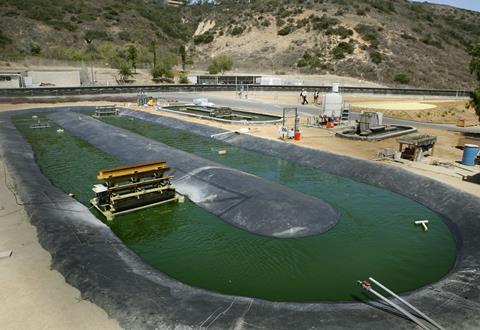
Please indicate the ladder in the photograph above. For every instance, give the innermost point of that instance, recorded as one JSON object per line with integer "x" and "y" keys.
{"x": 345, "y": 112}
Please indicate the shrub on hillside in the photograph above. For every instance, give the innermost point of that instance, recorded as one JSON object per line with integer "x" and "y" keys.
{"x": 35, "y": 49}
{"x": 428, "y": 40}
{"x": 265, "y": 22}
{"x": 91, "y": 35}
{"x": 401, "y": 78}
{"x": 205, "y": 38}
{"x": 324, "y": 22}
{"x": 183, "y": 79}
{"x": 376, "y": 57}
{"x": 221, "y": 63}
{"x": 4, "y": 40}
{"x": 285, "y": 30}
{"x": 237, "y": 30}
{"x": 385, "y": 6}
{"x": 368, "y": 33}
{"x": 341, "y": 31}
{"x": 342, "y": 49}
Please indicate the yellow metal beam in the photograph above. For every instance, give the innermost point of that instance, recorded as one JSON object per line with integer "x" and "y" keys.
{"x": 125, "y": 172}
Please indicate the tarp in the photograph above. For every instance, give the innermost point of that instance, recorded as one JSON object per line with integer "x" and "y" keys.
{"x": 241, "y": 199}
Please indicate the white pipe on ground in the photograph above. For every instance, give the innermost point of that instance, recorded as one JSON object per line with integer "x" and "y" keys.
{"x": 400, "y": 309}
{"x": 406, "y": 303}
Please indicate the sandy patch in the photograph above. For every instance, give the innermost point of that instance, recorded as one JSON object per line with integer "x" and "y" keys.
{"x": 397, "y": 105}
{"x": 33, "y": 295}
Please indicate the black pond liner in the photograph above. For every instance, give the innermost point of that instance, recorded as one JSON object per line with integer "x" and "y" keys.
{"x": 94, "y": 260}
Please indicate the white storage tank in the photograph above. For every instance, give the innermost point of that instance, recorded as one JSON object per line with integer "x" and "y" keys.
{"x": 335, "y": 87}
{"x": 332, "y": 105}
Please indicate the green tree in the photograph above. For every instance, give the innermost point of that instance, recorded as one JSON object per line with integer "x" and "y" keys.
{"x": 221, "y": 63}
{"x": 163, "y": 70}
{"x": 132, "y": 55}
{"x": 183, "y": 54}
{"x": 124, "y": 71}
{"x": 213, "y": 69}
{"x": 153, "y": 49}
{"x": 183, "y": 79}
{"x": 474, "y": 51}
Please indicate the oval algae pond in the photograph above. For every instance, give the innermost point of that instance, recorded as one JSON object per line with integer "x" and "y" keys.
{"x": 375, "y": 236}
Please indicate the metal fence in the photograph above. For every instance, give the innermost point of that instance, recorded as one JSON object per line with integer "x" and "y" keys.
{"x": 72, "y": 91}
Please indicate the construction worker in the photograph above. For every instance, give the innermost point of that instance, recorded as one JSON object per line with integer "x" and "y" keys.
{"x": 291, "y": 133}
{"x": 315, "y": 97}
{"x": 303, "y": 94}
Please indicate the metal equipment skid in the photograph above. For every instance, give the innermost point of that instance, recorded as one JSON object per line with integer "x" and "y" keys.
{"x": 129, "y": 188}
{"x": 105, "y": 111}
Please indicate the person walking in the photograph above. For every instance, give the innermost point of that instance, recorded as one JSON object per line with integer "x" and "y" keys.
{"x": 315, "y": 97}
{"x": 304, "y": 97}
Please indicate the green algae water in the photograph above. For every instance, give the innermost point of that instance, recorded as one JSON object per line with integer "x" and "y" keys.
{"x": 375, "y": 236}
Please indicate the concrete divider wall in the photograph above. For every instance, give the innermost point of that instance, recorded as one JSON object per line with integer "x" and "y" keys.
{"x": 106, "y": 272}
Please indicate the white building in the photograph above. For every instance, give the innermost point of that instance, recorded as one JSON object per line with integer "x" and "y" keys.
{"x": 11, "y": 80}
{"x": 53, "y": 78}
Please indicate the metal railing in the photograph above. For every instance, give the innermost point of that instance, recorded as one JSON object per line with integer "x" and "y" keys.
{"x": 99, "y": 90}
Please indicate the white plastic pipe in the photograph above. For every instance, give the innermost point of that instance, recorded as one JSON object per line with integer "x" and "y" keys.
{"x": 400, "y": 309}
{"x": 406, "y": 303}
{"x": 423, "y": 223}
{"x": 223, "y": 133}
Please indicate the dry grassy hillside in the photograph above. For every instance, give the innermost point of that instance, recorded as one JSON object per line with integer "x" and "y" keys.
{"x": 393, "y": 42}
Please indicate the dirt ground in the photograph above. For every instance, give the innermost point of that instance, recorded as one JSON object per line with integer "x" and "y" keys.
{"x": 434, "y": 110}
{"x": 33, "y": 295}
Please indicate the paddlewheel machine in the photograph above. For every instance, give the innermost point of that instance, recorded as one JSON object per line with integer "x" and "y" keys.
{"x": 130, "y": 188}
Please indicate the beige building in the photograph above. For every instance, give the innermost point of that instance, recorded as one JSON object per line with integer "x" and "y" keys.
{"x": 11, "y": 80}
{"x": 53, "y": 78}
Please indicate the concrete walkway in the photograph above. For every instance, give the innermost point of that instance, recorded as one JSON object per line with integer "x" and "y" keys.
{"x": 32, "y": 296}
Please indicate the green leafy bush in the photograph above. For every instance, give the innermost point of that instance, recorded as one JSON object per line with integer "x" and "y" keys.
{"x": 429, "y": 40}
{"x": 213, "y": 69}
{"x": 205, "y": 38}
{"x": 4, "y": 40}
{"x": 385, "y": 6}
{"x": 324, "y": 22}
{"x": 35, "y": 49}
{"x": 183, "y": 79}
{"x": 341, "y": 31}
{"x": 221, "y": 63}
{"x": 368, "y": 33}
{"x": 343, "y": 48}
{"x": 91, "y": 35}
{"x": 401, "y": 78}
{"x": 302, "y": 63}
{"x": 376, "y": 57}
{"x": 285, "y": 30}
{"x": 237, "y": 30}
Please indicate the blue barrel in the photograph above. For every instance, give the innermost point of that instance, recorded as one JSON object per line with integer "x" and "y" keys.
{"x": 470, "y": 153}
